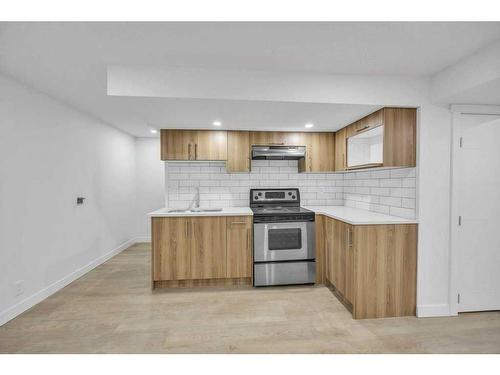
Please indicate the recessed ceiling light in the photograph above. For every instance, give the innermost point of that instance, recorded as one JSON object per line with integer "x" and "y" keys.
{"x": 153, "y": 131}
{"x": 309, "y": 125}
{"x": 216, "y": 123}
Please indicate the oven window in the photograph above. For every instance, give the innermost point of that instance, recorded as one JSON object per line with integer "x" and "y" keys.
{"x": 285, "y": 239}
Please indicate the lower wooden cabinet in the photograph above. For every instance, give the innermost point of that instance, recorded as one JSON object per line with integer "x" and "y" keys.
{"x": 201, "y": 249}
{"x": 372, "y": 268}
{"x": 239, "y": 246}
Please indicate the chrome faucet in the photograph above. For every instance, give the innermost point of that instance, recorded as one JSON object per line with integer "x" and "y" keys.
{"x": 195, "y": 203}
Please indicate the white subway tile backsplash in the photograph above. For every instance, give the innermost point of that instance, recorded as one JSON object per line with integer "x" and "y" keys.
{"x": 386, "y": 191}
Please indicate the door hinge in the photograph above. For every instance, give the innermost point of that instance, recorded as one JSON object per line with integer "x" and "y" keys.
{"x": 460, "y": 220}
{"x": 458, "y": 298}
{"x": 461, "y": 142}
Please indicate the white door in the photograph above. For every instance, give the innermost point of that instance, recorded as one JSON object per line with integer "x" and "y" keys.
{"x": 478, "y": 206}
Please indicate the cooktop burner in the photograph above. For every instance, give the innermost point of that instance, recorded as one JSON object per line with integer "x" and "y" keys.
{"x": 279, "y": 210}
{"x": 271, "y": 205}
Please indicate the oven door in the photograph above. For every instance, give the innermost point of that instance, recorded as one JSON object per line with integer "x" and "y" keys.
{"x": 284, "y": 241}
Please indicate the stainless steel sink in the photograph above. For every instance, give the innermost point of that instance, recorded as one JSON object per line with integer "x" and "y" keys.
{"x": 173, "y": 210}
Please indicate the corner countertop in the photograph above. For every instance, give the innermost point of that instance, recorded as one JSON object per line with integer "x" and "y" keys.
{"x": 357, "y": 216}
{"x": 227, "y": 211}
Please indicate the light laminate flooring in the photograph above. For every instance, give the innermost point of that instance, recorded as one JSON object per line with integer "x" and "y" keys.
{"x": 113, "y": 310}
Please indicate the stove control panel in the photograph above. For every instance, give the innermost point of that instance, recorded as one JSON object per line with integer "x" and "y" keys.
{"x": 274, "y": 195}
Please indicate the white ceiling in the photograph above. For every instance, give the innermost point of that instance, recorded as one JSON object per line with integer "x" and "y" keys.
{"x": 68, "y": 61}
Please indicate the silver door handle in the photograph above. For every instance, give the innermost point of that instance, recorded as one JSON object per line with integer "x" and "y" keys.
{"x": 349, "y": 237}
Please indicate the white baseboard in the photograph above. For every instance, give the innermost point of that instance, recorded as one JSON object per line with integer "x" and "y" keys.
{"x": 142, "y": 239}
{"x": 427, "y": 311}
{"x": 39, "y": 296}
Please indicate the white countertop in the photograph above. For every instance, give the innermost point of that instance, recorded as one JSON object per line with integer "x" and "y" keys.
{"x": 227, "y": 211}
{"x": 357, "y": 216}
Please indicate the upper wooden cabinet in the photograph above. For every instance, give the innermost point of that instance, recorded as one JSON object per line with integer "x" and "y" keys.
{"x": 177, "y": 144}
{"x": 397, "y": 145}
{"x": 368, "y": 122}
{"x": 210, "y": 145}
{"x": 278, "y": 138}
{"x": 400, "y": 137}
{"x": 320, "y": 152}
{"x": 238, "y": 151}
{"x": 340, "y": 150}
{"x": 193, "y": 144}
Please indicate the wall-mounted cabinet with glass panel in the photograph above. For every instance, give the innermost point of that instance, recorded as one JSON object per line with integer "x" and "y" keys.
{"x": 386, "y": 138}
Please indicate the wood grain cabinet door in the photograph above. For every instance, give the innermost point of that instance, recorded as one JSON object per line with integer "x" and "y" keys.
{"x": 400, "y": 137}
{"x": 208, "y": 247}
{"x": 238, "y": 151}
{"x": 239, "y": 246}
{"x": 171, "y": 248}
{"x": 210, "y": 145}
{"x": 321, "y": 152}
{"x": 177, "y": 144}
{"x": 340, "y": 150}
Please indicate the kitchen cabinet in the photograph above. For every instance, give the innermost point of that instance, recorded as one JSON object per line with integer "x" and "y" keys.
{"x": 368, "y": 122}
{"x": 238, "y": 151}
{"x": 201, "y": 251}
{"x": 338, "y": 247}
{"x": 171, "y": 248}
{"x": 193, "y": 144}
{"x": 210, "y": 145}
{"x": 385, "y": 138}
{"x": 262, "y": 138}
{"x": 372, "y": 268}
{"x": 340, "y": 150}
{"x": 177, "y": 144}
{"x": 208, "y": 251}
{"x": 239, "y": 246}
{"x": 186, "y": 248}
{"x": 320, "y": 152}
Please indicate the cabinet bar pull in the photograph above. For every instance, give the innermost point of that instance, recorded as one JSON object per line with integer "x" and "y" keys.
{"x": 196, "y": 151}
{"x": 363, "y": 128}
{"x": 189, "y": 151}
{"x": 349, "y": 237}
{"x": 238, "y": 222}
{"x": 186, "y": 229}
{"x": 277, "y": 143}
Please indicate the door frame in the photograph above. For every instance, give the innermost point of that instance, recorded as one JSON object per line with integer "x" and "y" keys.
{"x": 458, "y": 111}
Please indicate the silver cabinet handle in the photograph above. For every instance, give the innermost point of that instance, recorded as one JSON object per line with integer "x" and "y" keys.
{"x": 349, "y": 237}
{"x": 189, "y": 151}
{"x": 186, "y": 229}
{"x": 196, "y": 151}
{"x": 238, "y": 222}
{"x": 363, "y": 128}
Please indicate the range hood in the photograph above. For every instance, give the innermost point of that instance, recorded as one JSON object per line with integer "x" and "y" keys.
{"x": 278, "y": 152}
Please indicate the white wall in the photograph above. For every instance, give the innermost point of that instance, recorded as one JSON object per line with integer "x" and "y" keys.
{"x": 150, "y": 182}
{"x": 49, "y": 155}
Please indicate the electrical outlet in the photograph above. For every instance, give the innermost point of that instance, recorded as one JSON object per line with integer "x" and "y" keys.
{"x": 19, "y": 288}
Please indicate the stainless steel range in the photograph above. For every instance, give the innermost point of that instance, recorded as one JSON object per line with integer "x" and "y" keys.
{"x": 284, "y": 238}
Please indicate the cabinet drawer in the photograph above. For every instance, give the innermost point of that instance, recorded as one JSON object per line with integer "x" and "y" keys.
{"x": 303, "y": 272}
